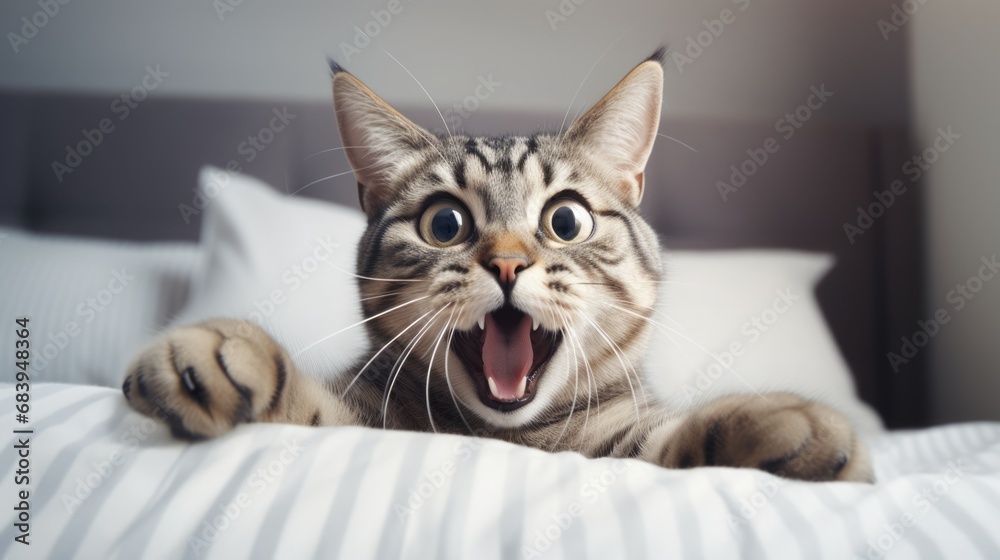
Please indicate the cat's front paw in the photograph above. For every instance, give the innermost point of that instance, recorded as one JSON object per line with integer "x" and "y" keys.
{"x": 204, "y": 379}
{"x": 777, "y": 432}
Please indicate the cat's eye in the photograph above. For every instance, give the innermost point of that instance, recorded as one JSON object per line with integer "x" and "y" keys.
{"x": 568, "y": 221}
{"x": 445, "y": 223}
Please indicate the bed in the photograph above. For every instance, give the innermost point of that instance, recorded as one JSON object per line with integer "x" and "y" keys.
{"x": 106, "y": 482}
{"x": 294, "y": 492}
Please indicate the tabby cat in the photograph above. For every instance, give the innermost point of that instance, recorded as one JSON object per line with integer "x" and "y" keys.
{"x": 508, "y": 284}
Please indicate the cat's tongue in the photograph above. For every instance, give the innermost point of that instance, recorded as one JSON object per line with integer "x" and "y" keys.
{"x": 507, "y": 357}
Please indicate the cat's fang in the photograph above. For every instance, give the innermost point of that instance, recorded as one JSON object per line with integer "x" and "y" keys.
{"x": 534, "y": 324}
{"x": 482, "y": 322}
{"x": 493, "y": 387}
{"x": 521, "y": 388}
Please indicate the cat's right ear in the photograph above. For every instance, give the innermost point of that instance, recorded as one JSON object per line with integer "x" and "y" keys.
{"x": 380, "y": 143}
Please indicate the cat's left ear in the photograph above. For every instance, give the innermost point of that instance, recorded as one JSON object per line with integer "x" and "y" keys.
{"x": 620, "y": 129}
{"x": 379, "y": 142}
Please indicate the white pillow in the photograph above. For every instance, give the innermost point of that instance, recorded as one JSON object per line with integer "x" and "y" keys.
{"x": 283, "y": 262}
{"x": 255, "y": 237}
{"x": 90, "y": 303}
{"x": 748, "y": 321}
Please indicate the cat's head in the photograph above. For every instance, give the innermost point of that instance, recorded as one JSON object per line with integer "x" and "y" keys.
{"x": 519, "y": 262}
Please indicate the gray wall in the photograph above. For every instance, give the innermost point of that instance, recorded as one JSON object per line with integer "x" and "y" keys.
{"x": 761, "y": 65}
{"x": 956, "y": 82}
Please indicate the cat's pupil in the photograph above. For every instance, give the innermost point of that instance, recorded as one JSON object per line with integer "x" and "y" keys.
{"x": 446, "y": 224}
{"x": 565, "y": 223}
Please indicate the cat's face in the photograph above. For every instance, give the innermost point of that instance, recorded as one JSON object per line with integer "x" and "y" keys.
{"x": 517, "y": 268}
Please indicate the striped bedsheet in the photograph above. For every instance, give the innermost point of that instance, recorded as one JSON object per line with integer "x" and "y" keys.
{"x": 107, "y": 483}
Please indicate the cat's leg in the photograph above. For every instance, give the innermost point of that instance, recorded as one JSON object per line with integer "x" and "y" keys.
{"x": 776, "y": 432}
{"x": 204, "y": 379}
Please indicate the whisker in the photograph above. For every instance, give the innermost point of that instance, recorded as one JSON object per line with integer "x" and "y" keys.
{"x": 618, "y": 351}
{"x": 397, "y": 367}
{"x": 589, "y": 371}
{"x": 592, "y": 391}
{"x": 385, "y": 295}
{"x": 683, "y": 351}
{"x": 678, "y": 141}
{"x": 387, "y": 344}
{"x": 572, "y": 407}
{"x": 628, "y": 377}
{"x": 377, "y": 279}
{"x": 447, "y": 377}
{"x": 639, "y": 281}
{"x": 401, "y": 361}
{"x": 307, "y": 158}
{"x": 359, "y": 323}
{"x": 585, "y": 78}
{"x": 649, "y": 308}
{"x": 430, "y": 364}
{"x": 327, "y": 178}
{"x": 425, "y": 92}
{"x": 708, "y": 352}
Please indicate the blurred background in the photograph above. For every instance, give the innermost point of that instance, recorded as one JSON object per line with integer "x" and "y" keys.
{"x": 110, "y": 107}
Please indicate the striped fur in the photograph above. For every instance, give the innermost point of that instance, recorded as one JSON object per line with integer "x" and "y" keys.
{"x": 594, "y": 299}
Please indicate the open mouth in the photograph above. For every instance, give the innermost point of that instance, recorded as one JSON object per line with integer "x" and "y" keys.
{"x": 506, "y": 356}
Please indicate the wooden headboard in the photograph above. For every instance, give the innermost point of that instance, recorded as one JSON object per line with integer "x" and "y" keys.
{"x": 134, "y": 181}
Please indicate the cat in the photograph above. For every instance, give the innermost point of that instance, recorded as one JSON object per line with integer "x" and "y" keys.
{"x": 508, "y": 284}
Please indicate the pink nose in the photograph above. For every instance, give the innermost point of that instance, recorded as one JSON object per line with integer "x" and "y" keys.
{"x": 506, "y": 269}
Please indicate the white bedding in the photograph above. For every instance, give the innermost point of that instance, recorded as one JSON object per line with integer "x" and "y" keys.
{"x": 97, "y": 491}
